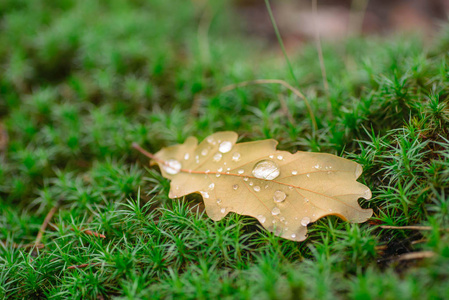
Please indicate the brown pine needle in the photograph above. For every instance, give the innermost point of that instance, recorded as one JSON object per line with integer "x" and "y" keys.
{"x": 90, "y": 232}
{"x": 425, "y": 228}
{"x": 44, "y": 226}
{"x": 81, "y": 266}
{"x": 417, "y": 255}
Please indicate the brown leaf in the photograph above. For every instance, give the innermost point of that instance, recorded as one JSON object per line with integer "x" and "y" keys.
{"x": 284, "y": 191}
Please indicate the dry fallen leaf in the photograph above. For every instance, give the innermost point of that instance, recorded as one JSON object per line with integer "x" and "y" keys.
{"x": 284, "y": 191}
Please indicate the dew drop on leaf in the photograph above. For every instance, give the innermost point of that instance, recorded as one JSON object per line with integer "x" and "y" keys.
{"x": 211, "y": 186}
{"x": 172, "y": 166}
{"x": 240, "y": 171}
{"x": 218, "y": 201}
{"x": 261, "y": 218}
{"x": 225, "y": 147}
{"x": 218, "y": 156}
{"x": 294, "y": 172}
{"x": 266, "y": 169}
{"x": 205, "y": 194}
{"x": 245, "y": 178}
{"x": 257, "y": 188}
{"x": 235, "y": 187}
{"x": 236, "y": 156}
{"x": 186, "y": 156}
{"x": 305, "y": 221}
{"x": 293, "y": 236}
{"x": 275, "y": 211}
{"x": 220, "y": 170}
{"x": 280, "y": 157}
{"x": 279, "y": 196}
{"x": 223, "y": 210}
{"x": 204, "y": 152}
{"x": 250, "y": 183}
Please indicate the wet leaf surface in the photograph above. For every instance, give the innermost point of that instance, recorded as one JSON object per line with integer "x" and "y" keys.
{"x": 284, "y": 191}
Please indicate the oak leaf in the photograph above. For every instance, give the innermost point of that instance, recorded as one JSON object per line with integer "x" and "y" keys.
{"x": 284, "y": 191}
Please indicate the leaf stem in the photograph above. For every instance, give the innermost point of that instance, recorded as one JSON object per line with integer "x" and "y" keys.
{"x": 146, "y": 153}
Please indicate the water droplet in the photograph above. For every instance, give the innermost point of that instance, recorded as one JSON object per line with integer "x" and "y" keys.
{"x": 207, "y": 171}
{"x": 240, "y": 171}
{"x": 245, "y": 178}
{"x": 218, "y": 156}
{"x": 306, "y": 199}
{"x": 211, "y": 186}
{"x": 282, "y": 219}
{"x": 294, "y": 172}
{"x": 266, "y": 169}
{"x": 271, "y": 156}
{"x": 290, "y": 188}
{"x": 236, "y": 156}
{"x": 217, "y": 175}
{"x": 235, "y": 187}
{"x": 293, "y": 236}
{"x": 220, "y": 170}
{"x": 308, "y": 175}
{"x": 172, "y": 166}
{"x": 251, "y": 183}
{"x": 225, "y": 147}
{"x": 317, "y": 166}
{"x": 275, "y": 211}
{"x": 279, "y": 196}
{"x": 205, "y": 194}
{"x": 218, "y": 201}
{"x": 204, "y": 152}
{"x": 266, "y": 186}
{"x": 305, "y": 221}
{"x": 228, "y": 169}
{"x": 210, "y": 140}
{"x": 186, "y": 156}
{"x": 223, "y": 210}
{"x": 280, "y": 157}
{"x": 197, "y": 159}
{"x": 358, "y": 171}
{"x": 261, "y": 218}
{"x": 257, "y": 188}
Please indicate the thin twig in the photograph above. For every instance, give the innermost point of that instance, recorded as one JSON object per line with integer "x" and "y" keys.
{"x": 281, "y": 44}
{"x": 417, "y": 255}
{"x": 44, "y": 225}
{"x": 427, "y": 228}
{"x": 274, "y": 81}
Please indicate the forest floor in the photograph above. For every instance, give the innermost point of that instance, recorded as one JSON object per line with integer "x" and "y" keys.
{"x": 83, "y": 215}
